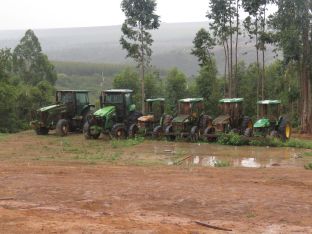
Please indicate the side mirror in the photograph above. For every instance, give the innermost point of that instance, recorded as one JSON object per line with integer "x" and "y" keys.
{"x": 132, "y": 107}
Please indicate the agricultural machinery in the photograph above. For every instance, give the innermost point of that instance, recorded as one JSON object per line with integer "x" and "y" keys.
{"x": 271, "y": 123}
{"x": 231, "y": 119}
{"x": 68, "y": 114}
{"x": 117, "y": 116}
{"x": 155, "y": 121}
{"x": 190, "y": 121}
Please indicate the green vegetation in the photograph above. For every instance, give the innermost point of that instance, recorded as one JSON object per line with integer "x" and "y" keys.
{"x": 26, "y": 82}
{"x": 308, "y": 166}
{"x": 127, "y": 143}
{"x": 232, "y": 139}
{"x": 222, "y": 164}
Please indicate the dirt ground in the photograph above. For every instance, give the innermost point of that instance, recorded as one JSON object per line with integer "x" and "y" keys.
{"x": 52, "y": 185}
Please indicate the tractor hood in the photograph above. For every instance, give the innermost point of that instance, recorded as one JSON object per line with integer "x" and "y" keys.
{"x": 48, "y": 108}
{"x": 105, "y": 111}
{"x": 221, "y": 120}
{"x": 180, "y": 119}
{"x": 146, "y": 118}
{"x": 262, "y": 123}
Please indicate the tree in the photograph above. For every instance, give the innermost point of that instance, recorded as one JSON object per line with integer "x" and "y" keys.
{"x": 30, "y": 63}
{"x": 136, "y": 38}
{"x": 5, "y": 64}
{"x": 176, "y": 87}
{"x": 292, "y": 24}
{"x": 203, "y": 44}
{"x": 222, "y": 14}
{"x": 128, "y": 79}
{"x": 208, "y": 87}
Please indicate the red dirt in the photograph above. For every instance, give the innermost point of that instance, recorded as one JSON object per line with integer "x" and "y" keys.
{"x": 67, "y": 197}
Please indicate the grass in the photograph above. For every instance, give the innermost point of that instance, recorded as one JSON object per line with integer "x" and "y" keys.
{"x": 307, "y": 154}
{"x": 3, "y": 136}
{"x": 127, "y": 143}
{"x": 222, "y": 164}
{"x": 308, "y": 166}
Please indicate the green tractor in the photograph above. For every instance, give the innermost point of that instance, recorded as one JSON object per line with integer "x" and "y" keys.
{"x": 231, "y": 119}
{"x": 271, "y": 123}
{"x": 68, "y": 114}
{"x": 155, "y": 121}
{"x": 190, "y": 121}
{"x": 117, "y": 116}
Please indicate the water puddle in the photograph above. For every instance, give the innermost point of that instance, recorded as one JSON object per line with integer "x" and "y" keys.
{"x": 212, "y": 155}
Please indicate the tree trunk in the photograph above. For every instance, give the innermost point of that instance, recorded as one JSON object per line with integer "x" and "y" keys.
{"x": 229, "y": 70}
{"x": 236, "y": 48}
{"x": 231, "y": 58}
{"x": 306, "y": 100}
{"x": 225, "y": 69}
{"x": 142, "y": 73}
{"x": 263, "y": 55}
{"x": 258, "y": 66}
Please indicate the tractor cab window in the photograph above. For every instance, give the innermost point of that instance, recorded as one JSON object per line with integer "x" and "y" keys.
{"x": 128, "y": 99}
{"x": 113, "y": 98}
{"x": 185, "y": 108}
{"x": 66, "y": 97}
{"x": 81, "y": 101}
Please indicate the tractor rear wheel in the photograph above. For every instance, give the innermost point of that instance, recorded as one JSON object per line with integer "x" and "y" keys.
{"x": 62, "y": 127}
{"x": 194, "y": 136}
{"x": 284, "y": 129}
{"x": 248, "y": 132}
{"x": 87, "y": 133}
{"x": 119, "y": 131}
{"x": 246, "y": 123}
{"x": 209, "y": 131}
{"x": 42, "y": 131}
{"x": 157, "y": 132}
{"x": 169, "y": 132}
{"x": 133, "y": 131}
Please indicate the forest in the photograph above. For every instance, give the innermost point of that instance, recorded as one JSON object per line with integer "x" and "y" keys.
{"x": 28, "y": 79}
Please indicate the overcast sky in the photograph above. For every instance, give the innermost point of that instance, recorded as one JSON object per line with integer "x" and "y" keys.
{"x": 24, "y": 14}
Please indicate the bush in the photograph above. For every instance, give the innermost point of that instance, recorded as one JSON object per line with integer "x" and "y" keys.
{"x": 221, "y": 164}
{"x": 232, "y": 139}
{"x": 272, "y": 142}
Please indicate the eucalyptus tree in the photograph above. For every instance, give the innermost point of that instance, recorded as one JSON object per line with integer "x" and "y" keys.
{"x": 223, "y": 14}
{"x": 137, "y": 39}
{"x": 292, "y": 24}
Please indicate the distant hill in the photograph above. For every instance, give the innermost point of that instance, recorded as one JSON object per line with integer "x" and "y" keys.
{"x": 172, "y": 46}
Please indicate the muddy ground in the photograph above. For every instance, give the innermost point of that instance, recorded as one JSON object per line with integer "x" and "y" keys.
{"x": 69, "y": 185}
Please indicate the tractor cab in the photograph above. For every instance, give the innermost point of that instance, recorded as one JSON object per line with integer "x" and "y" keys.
{"x": 232, "y": 117}
{"x": 190, "y": 120}
{"x": 121, "y": 99}
{"x": 190, "y": 107}
{"x": 155, "y": 109}
{"x": 271, "y": 121}
{"x": 76, "y": 101}
{"x": 269, "y": 113}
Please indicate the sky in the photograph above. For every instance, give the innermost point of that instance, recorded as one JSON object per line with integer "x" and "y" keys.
{"x": 38, "y": 14}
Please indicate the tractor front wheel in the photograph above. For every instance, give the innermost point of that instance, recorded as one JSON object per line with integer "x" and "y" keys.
{"x": 119, "y": 132}
{"x": 62, "y": 127}
{"x": 157, "y": 132}
{"x": 194, "y": 136}
{"x": 42, "y": 131}
{"x": 87, "y": 134}
{"x": 133, "y": 131}
{"x": 169, "y": 134}
{"x": 248, "y": 132}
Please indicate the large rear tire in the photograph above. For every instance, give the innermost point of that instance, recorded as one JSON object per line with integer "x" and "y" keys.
{"x": 284, "y": 129}
{"x": 62, "y": 128}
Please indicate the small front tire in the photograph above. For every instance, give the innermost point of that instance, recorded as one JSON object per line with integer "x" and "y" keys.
{"x": 62, "y": 128}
